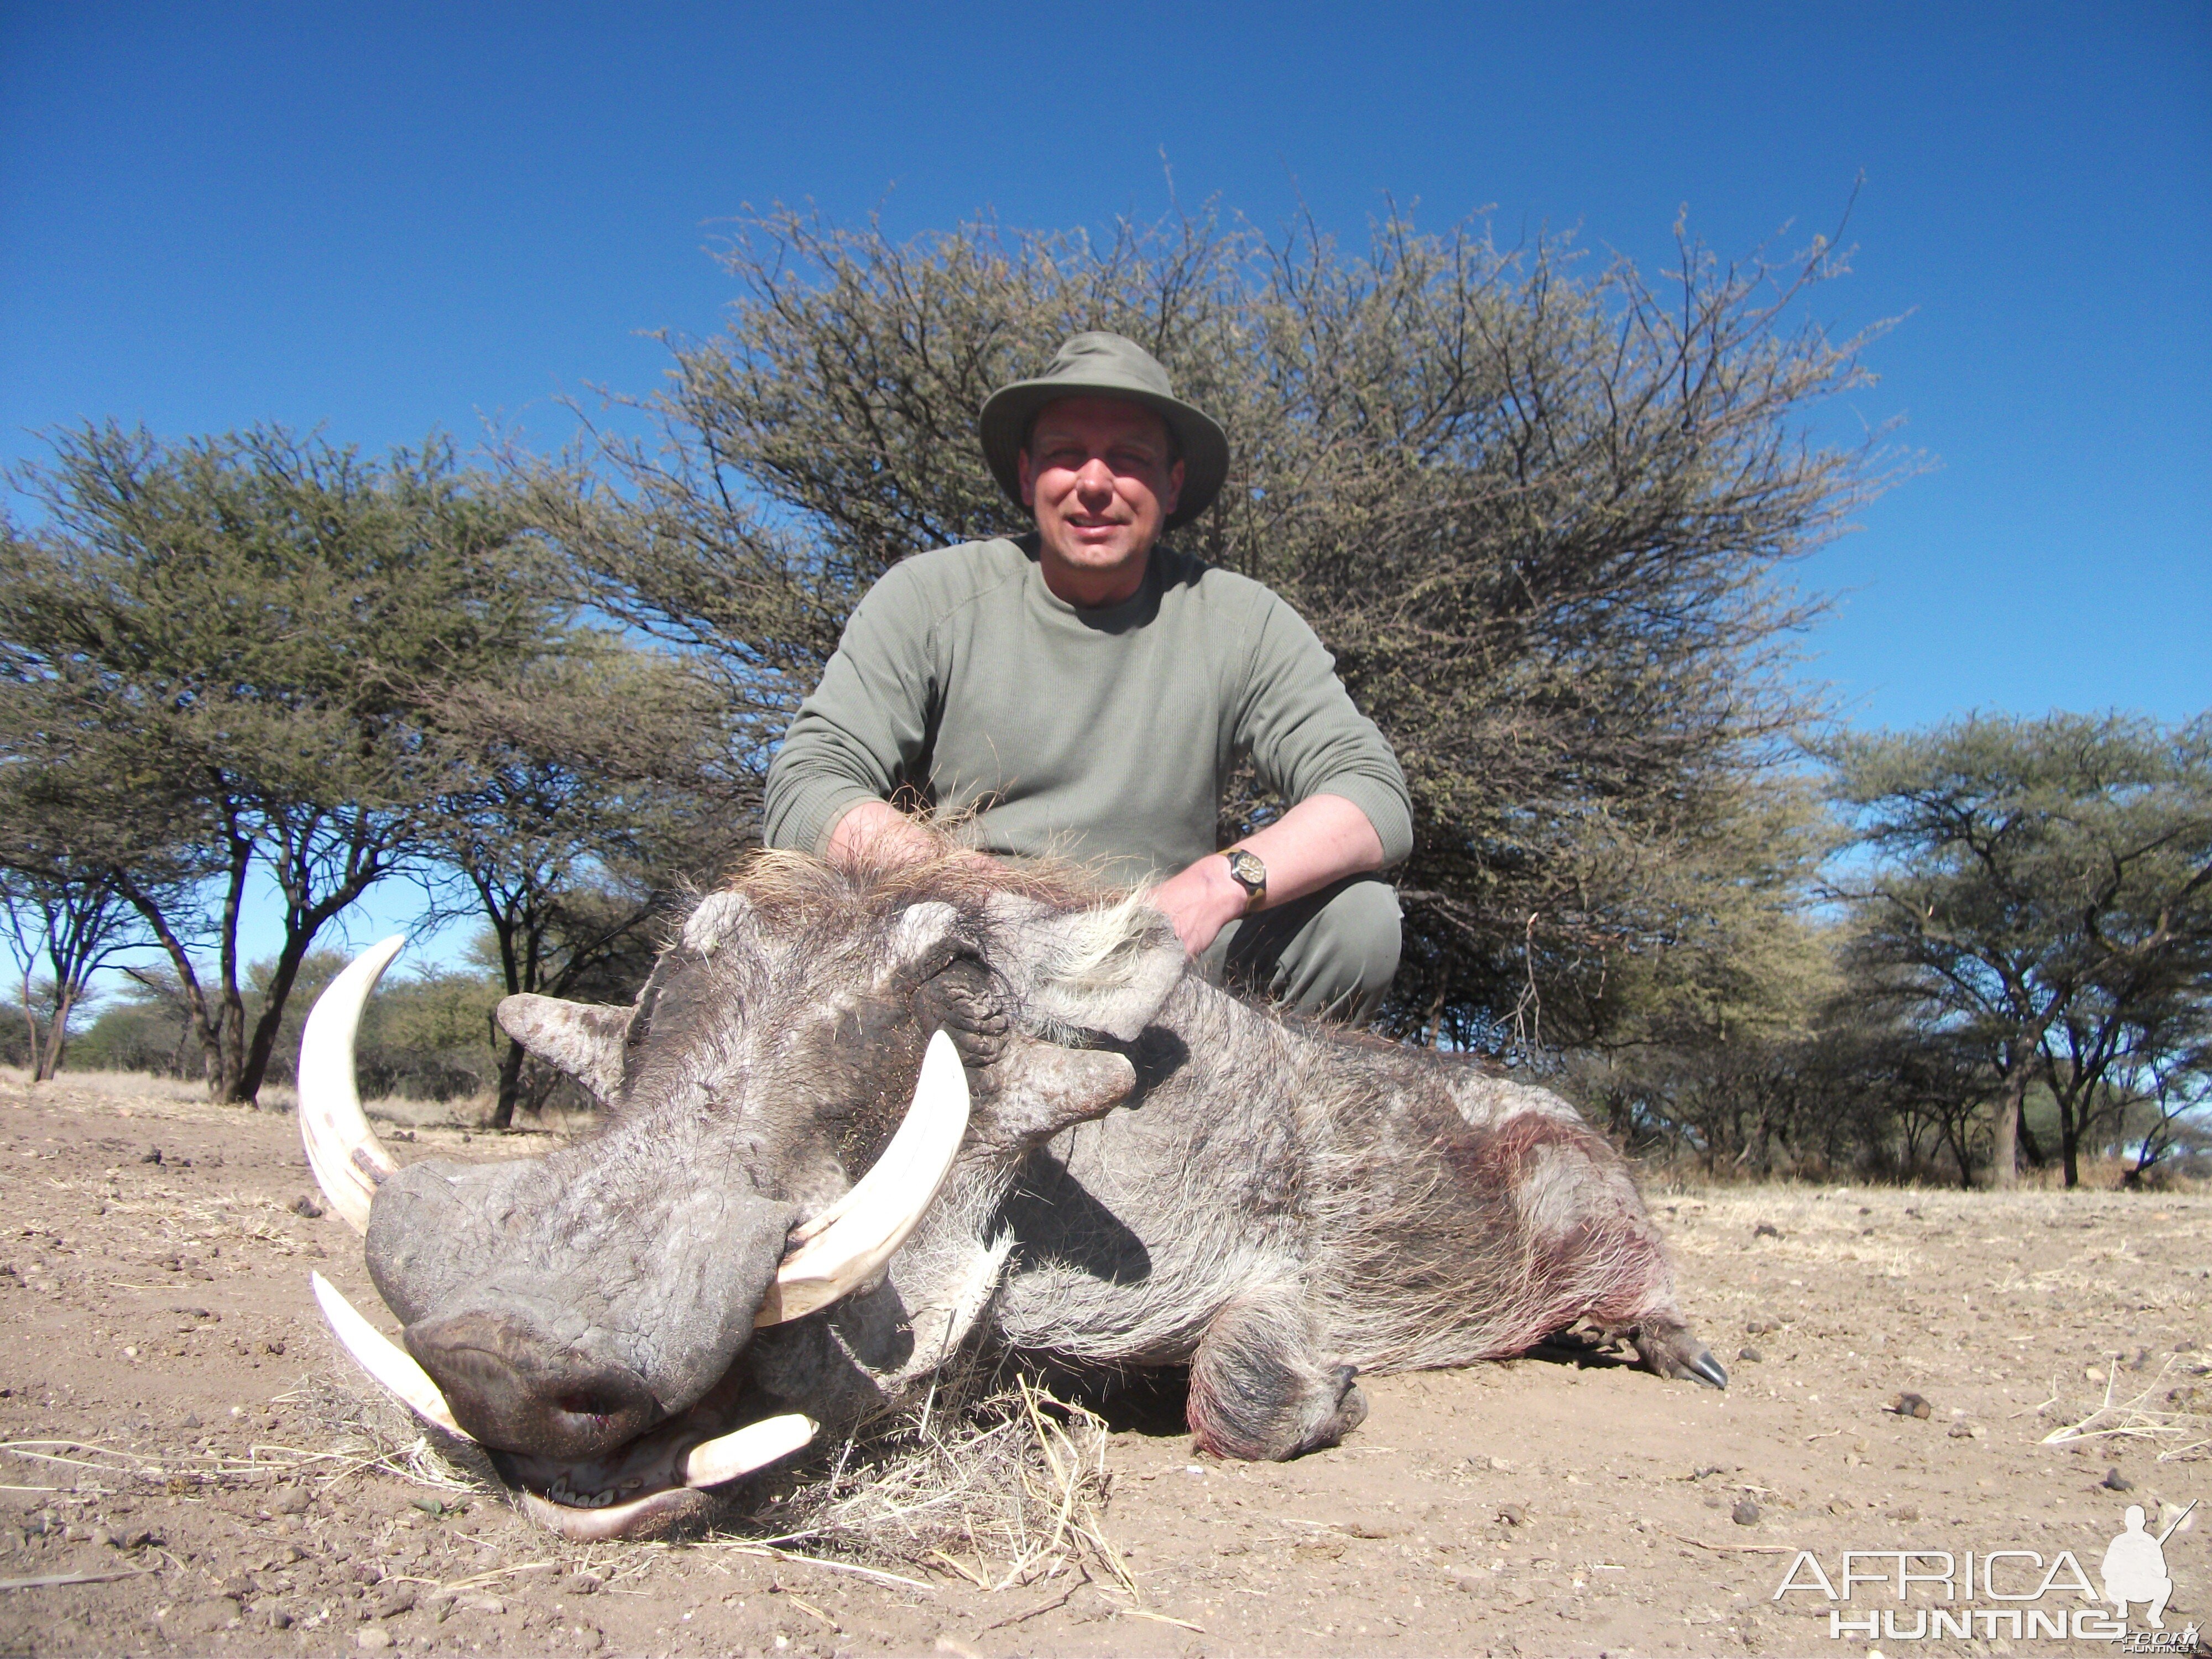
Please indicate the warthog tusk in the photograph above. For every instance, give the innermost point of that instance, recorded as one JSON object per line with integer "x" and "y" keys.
{"x": 849, "y": 1243}
{"x": 755, "y": 1445}
{"x": 385, "y": 1360}
{"x": 349, "y": 1161}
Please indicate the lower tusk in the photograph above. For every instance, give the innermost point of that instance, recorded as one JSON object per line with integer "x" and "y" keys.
{"x": 867, "y": 1227}
{"x": 385, "y": 1360}
{"x": 349, "y": 1161}
{"x": 755, "y": 1446}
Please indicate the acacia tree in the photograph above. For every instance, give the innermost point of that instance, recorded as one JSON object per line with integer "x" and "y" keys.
{"x": 1534, "y": 508}
{"x": 2042, "y": 887}
{"x": 223, "y": 642}
{"x": 64, "y": 911}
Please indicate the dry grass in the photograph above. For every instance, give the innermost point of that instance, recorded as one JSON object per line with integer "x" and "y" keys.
{"x": 2171, "y": 1413}
{"x": 991, "y": 1479}
{"x": 138, "y": 1086}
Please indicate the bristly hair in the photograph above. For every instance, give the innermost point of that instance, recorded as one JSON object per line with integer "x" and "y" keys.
{"x": 778, "y": 881}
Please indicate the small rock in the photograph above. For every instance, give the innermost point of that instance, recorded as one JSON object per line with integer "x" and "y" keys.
{"x": 2115, "y": 1481}
{"x": 191, "y": 1419}
{"x": 586, "y": 1584}
{"x": 1745, "y": 1514}
{"x": 372, "y": 1639}
{"x": 1513, "y": 1515}
{"x": 486, "y": 1604}
{"x": 1966, "y": 1431}
{"x": 399, "y": 1598}
{"x": 102, "y": 1536}
{"x": 1905, "y": 1512}
{"x": 1766, "y": 1229}
{"x": 305, "y": 1205}
{"x": 294, "y": 1500}
{"x": 1751, "y": 1354}
{"x": 151, "y": 1155}
{"x": 1911, "y": 1405}
{"x": 139, "y": 1540}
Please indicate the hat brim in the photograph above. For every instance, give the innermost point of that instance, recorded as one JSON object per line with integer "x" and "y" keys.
{"x": 1005, "y": 423}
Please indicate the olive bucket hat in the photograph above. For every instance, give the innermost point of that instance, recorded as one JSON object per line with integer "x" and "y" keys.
{"x": 1101, "y": 365}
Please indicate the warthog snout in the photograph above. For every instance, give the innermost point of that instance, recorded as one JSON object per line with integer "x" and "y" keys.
{"x": 511, "y": 1385}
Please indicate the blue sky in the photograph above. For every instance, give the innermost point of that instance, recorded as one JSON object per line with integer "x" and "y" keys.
{"x": 391, "y": 218}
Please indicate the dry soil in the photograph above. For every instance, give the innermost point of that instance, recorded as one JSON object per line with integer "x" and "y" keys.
{"x": 184, "y": 1470}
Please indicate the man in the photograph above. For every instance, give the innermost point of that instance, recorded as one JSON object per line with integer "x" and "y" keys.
{"x": 1084, "y": 692}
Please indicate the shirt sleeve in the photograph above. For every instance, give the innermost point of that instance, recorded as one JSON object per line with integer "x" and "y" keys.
{"x": 1306, "y": 737}
{"x": 867, "y": 719}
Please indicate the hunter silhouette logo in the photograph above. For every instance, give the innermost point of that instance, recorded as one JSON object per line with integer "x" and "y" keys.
{"x": 2134, "y": 1568}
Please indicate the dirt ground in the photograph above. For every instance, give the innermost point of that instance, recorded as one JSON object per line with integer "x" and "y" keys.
{"x": 181, "y": 1475}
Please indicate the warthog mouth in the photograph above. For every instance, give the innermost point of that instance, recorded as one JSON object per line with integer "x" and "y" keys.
{"x": 639, "y": 1487}
{"x": 661, "y": 1476}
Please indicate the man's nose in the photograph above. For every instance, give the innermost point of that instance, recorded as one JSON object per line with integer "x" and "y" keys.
{"x": 1095, "y": 478}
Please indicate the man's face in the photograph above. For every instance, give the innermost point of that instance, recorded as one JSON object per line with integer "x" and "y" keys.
{"x": 1097, "y": 475}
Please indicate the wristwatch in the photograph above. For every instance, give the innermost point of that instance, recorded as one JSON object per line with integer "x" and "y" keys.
{"x": 1247, "y": 873}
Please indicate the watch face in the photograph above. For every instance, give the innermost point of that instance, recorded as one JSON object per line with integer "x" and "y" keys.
{"x": 1248, "y": 871}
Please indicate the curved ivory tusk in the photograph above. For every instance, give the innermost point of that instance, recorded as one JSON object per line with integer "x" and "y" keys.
{"x": 755, "y": 1446}
{"x": 846, "y": 1246}
{"x": 349, "y": 1161}
{"x": 385, "y": 1360}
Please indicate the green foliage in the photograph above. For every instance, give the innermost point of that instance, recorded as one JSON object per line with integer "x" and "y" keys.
{"x": 429, "y": 1037}
{"x": 221, "y": 650}
{"x": 2039, "y": 891}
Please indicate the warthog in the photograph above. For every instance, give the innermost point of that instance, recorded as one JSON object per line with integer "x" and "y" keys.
{"x": 1107, "y": 1161}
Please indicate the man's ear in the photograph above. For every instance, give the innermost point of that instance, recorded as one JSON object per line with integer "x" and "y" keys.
{"x": 1173, "y": 497}
{"x": 1107, "y": 967}
{"x": 1026, "y": 473}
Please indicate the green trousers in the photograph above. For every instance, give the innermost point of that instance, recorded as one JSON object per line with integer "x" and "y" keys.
{"x": 1333, "y": 952}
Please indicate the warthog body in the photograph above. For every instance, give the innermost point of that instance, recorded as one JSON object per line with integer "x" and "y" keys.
{"x": 1153, "y": 1174}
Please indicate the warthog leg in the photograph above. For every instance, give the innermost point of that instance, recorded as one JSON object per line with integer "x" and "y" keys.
{"x": 1672, "y": 1350}
{"x": 1260, "y": 1385}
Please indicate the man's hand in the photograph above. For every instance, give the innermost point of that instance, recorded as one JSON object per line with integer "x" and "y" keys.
{"x": 875, "y": 833}
{"x": 1324, "y": 838}
{"x": 1200, "y": 901}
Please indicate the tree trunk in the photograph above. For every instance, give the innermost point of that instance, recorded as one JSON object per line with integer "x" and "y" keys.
{"x": 510, "y": 1087}
{"x": 2004, "y": 1131}
{"x": 48, "y": 1060}
{"x": 31, "y": 1027}
{"x": 198, "y": 1021}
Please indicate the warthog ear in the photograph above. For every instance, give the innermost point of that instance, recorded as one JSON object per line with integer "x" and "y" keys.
{"x": 1105, "y": 968}
{"x": 718, "y": 919}
{"x": 583, "y": 1039}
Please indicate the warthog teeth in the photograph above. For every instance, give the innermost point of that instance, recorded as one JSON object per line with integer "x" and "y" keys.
{"x": 755, "y": 1446}
{"x": 392, "y": 1365}
{"x": 849, "y": 1243}
{"x": 349, "y": 1161}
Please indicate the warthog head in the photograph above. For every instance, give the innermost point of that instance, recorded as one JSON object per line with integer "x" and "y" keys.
{"x": 590, "y": 1315}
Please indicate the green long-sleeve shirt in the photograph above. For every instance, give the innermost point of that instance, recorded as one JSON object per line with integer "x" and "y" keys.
{"x": 1105, "y": 735}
